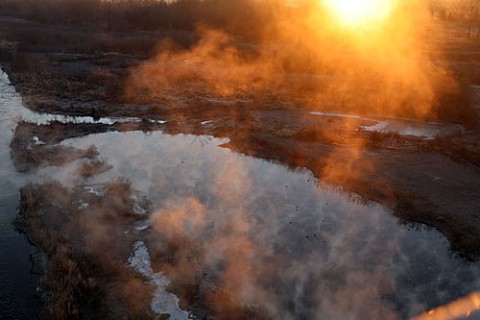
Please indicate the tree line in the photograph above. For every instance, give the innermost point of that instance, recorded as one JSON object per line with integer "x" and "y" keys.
{"x": 463, "y": 11}
{"x": 240, "y": 16}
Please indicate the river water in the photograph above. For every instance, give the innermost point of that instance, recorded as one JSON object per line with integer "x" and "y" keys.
{"x": 280, "y": 239}
{"x": 334, "y": 255}
{"x": 16, "y": 283}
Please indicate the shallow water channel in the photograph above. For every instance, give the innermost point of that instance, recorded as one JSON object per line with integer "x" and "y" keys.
{"x": 279, "y": 239}
{"x": 16, "y": 283}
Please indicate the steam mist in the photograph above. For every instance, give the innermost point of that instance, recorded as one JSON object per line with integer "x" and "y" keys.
{"x": 308, "y": 57}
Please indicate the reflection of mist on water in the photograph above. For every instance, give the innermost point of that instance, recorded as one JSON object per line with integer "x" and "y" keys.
{"x": 273, "y": 239}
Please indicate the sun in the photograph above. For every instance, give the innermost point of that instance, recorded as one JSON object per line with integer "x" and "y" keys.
{"x": 356, "y": 13}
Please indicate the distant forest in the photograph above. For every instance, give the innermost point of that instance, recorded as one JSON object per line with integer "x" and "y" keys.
{"x": 232, "y": 16}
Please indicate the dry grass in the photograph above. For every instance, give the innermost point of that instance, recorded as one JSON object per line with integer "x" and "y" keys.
{"x": 86, "y": 276}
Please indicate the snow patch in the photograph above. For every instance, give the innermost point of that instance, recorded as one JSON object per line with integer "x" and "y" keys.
{"x": 46, "y": 118}
{"x": 158, "y": 121}
{"x": 140, "y": 204}
{"x": 96, "y": 190}
{"x": 37, "y": 141}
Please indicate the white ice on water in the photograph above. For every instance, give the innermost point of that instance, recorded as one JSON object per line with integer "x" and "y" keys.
{"x": 143, "y": 225}
{"x": 99, "y": 191}
{"x": 378, "y": 127}
{"x": 37, "y": 141}
{"x": 163, "y": 302}
{"x": 401, "y": 126}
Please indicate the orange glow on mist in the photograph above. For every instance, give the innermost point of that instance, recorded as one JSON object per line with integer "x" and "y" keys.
{"x": 360, "y": 13}
{"x": 455, "y": 310}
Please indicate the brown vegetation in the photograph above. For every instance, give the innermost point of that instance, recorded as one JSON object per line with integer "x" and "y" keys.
{"x": 87, "y": 277}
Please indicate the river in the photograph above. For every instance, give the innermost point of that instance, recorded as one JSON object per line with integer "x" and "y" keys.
{"x": 16, "y": 296}
{"x": 296, "y": 247}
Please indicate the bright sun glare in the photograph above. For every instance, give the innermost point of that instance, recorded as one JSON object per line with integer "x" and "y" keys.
{"x": 355, "y": 13}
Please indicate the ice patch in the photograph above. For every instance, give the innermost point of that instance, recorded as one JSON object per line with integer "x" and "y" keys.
{"x": 140, "y": 260}
{"x": 37, "y": 141}
{"x": 378, "y": 127}
{"x": 143, "y": 225}
{"x": 137, "y": 209}
{"x": 206, "y": 122}
{"x": 158, "y": 121}
{"x": 46, "y": 118}
{"x": 83, "y": 205}
{"x": 98, "y": 191}
{"x": 163, "y": 302}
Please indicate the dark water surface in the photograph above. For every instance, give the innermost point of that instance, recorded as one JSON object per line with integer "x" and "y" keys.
{"x": 16, "y": 283}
